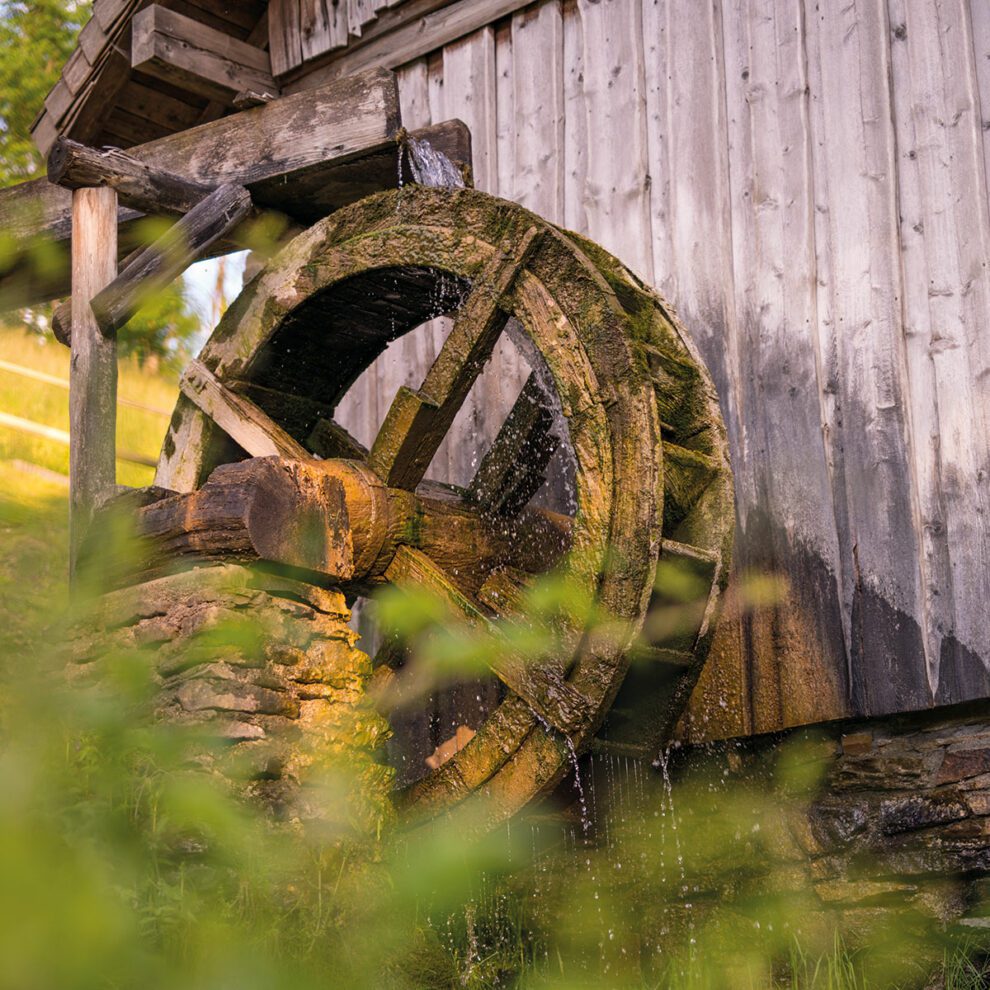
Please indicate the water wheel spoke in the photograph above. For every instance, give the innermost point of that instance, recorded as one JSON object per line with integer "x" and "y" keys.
{"x": 686, "y": 475}
{"x": 418, "y": 420}
{"x": 504, "y": 591}
{"x": 244, "y": 422}
{"x": 513, "y": 469}
{"x": 329, "y": 439}
{"x": 681, "y": 603}
{"x": 540, "y": 686}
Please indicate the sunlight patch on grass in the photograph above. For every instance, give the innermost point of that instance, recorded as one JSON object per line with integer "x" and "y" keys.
{"x": 138, "y": 430}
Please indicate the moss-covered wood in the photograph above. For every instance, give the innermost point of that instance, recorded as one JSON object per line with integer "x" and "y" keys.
{"x": 639, "y": 407}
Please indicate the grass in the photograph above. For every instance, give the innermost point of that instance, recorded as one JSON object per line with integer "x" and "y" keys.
{"x": 138, "y": 430}
{"x": 33, "y": 556}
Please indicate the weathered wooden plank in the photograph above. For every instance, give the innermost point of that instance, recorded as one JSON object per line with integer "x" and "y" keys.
{"x": 284, "y": 34}
{"x": 323, "y": 24}
{"x": 401, "y": 36}
{"x": 505, "y": 120}
{"x": 93, "y": 371}
{"x": 359, "y": 13}
{"x": 165, "y": 260}
{"x": 195, "y": 57}
{"x": 58, "y": 101}
{"x": 139, "y": 186}
{"x": 76, "y": 71}
{"x": 785, "y": 475}
{"x": 617, "y": 189}
{"x": 862, "y": 356}
{"x": 253, "y": 430}
{"x": 150, "y": 100}
{"x": 979, "y": 14}
{"x": 692, "y": 248}
{"x": 297, "y": 150}
{"x": 262, "y": 149}
{"x": 87, "y": 117}
{"x": 537, "y": 50}
{"x": 575, "y": 118}
{"x": 943, "y": 195}
{"x": 469, "y": 95}
{"x": 92, "y": 40}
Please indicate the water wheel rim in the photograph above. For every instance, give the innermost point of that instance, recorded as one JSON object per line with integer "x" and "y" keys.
{"x": 573, "y": 317}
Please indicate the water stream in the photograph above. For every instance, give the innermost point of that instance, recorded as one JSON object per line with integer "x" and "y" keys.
{"x": 429, "y": 166}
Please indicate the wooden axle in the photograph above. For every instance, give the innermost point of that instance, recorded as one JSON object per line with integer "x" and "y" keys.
{"x": 338, "y": 520}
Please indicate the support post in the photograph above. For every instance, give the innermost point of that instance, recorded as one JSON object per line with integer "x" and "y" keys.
{"x": 93, "y": 370}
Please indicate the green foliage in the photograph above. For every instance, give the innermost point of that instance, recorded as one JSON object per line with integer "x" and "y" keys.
{"x": 127, "y": 862}
{"x": 36, "y": 39}
{"x": 163, "y": 330}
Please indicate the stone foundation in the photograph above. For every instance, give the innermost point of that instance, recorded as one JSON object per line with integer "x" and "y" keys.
{"x": 899, "y": 820}
{"x": 268, "y": 669}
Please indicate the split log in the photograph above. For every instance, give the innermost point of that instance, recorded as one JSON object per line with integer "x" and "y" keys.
{"x": 151, "y": 190}
{"x": 171, "y": 255}
{"x": 245, "y": 423}
{"x": 305, "y": 155}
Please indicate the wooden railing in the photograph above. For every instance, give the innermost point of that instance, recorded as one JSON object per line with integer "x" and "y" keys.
{"x": 53, "y": 433}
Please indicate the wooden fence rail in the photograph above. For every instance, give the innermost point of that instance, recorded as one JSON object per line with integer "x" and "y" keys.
{"x": 62, "y": 437}
{"x": 41, "y": 376}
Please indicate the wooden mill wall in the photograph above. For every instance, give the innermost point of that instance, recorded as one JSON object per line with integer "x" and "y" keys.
{"x": 808, "y": 184}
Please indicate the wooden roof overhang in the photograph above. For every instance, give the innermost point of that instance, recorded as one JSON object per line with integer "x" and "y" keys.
{"x": 144, "y": 70}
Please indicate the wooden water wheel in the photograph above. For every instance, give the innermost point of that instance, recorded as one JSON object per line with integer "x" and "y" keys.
{"x": 263, "y": 472}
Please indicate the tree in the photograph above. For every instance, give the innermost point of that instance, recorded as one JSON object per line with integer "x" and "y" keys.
{"x": 36, "y": 40}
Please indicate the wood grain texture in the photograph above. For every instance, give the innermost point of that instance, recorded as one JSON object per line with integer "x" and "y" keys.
{"x": 317, "y": 150}
{"x": 947, "y": 296}
{"x": 333, "y": 298}
{"x": 93, "y": 371}
{"x": 246, "y": 424}
{"x": 155, "y": 268}
{"x": 616, "y": 183}
{"x": 810, "y": 187}
{"x": 194, "y": 57}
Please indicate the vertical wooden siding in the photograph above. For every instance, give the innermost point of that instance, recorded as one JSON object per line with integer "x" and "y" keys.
{"x": 807, "y": 181}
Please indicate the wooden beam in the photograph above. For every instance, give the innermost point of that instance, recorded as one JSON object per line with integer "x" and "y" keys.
{"x": 306, "y": 155}
{"x": 197, "y": 58}
{"x": 93, "y": 371}
{"x": 166, "y": 259}
{"x": 398, "y": 37}
{"x": 139, "y": 186}
{"x": 247, "y": 425}
{"x": 417, "y": 422}
{"x": 155, "y": 191}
